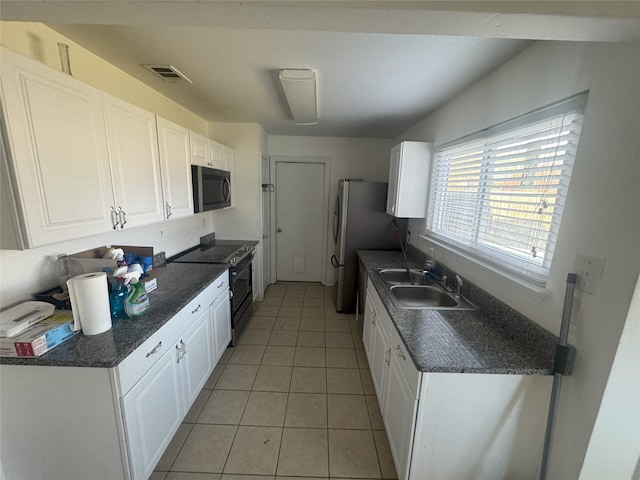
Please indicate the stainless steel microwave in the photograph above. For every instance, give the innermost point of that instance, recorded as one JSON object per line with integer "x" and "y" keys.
{"x": 211, "y": 188}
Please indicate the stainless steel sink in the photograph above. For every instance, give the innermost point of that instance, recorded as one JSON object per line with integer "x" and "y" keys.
{"x": 427, "y": 297}
{"x": 400, "y": 276}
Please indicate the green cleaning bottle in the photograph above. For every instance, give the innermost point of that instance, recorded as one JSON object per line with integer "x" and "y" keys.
{"x": 138, "y": 301}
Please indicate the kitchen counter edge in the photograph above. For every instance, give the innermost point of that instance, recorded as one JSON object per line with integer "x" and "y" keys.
{"x": 178, "y": 284}
{"x": 459, "y": 341}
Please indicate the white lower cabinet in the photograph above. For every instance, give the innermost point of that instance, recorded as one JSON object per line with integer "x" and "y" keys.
{"x": 153, "y": 410}
{"x": 379, "y": 359}
{"x": 195, "y": 356}
{"x": 112, "y": 424}
{"x": 453, "y": 426}
{"x": 400, "y": 403}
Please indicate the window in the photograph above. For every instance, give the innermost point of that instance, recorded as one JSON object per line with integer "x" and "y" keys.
{"x": 499, "y": 194}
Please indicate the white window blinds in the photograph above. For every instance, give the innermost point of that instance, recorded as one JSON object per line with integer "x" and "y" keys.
{"x": 499, "y": 194}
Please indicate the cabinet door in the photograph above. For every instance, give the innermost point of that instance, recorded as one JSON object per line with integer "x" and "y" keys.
{"x": 379, "y": 358}
{"x": 400, "y": 403}
{"x": 221, "y": 322}
{"x": 394, "y": 170}
{"x": 399, "y": 414}
{"x": 153, "y": 410}
{"x": 58, "y": 152}
{"x": 196, "y": 357}
{"x": 135, "y": 166}
{"x": 199, "y": 149}
{"x": 216, "y": 155}
{"x": 368, "y": 327}
{"x": 175, "y": 164}
{"x": 409, "y": 179}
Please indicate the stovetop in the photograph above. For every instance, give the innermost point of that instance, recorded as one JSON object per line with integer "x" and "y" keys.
{"x": 222, "y": 251}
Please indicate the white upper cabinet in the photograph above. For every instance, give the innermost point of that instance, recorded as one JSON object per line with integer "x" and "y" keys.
{"x": 57, "y": 153}
{"x": 78, "y": 162}
{"x": 409, "y": 179}
{"x": 175, "y": 161}
{"x": 216, "y": 159}
{"x": 135, "y": 166}
{"x": 206, "y": 152}
{"x": 199, "y": 149}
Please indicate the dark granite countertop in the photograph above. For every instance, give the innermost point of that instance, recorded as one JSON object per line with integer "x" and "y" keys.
{"x": 493, "y": 339}
{"x": 178, "y": 284}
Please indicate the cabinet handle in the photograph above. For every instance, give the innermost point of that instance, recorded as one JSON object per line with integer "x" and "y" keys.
{"x": 114, "y": 218}
{"x": 168, "y": 209}
{"x": 122, "y": 217}
{"x": 373, "y": 319}
{"x": 181, "y": 351}
{"x": 196, "y": 309}
{"x": 230, "y": 294}
{"x": 387, "y": 356}
{"x": 155, "y": 349}
{"x": 221, "y": 285}
{"x": 400, "y": 353}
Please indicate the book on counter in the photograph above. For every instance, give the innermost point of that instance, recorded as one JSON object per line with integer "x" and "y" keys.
{"x": 41, "y": 337}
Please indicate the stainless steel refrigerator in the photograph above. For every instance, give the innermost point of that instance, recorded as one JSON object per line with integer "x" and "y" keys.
{"x": 360, "y": 223}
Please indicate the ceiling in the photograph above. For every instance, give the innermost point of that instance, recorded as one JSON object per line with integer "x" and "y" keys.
{"x": 380, "y": 66}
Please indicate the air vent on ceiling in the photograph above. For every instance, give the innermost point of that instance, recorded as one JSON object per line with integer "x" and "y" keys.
{"x": 168, "y": 73}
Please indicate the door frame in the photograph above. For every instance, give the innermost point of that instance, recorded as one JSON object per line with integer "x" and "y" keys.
{"x": 273, "y": 161}
{"x": 265, "y": 186}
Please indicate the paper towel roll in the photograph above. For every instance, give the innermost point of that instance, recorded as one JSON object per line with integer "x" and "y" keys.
{"x": 89, "y": 296}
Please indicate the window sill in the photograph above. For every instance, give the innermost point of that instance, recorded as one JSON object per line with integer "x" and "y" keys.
{"x": 535, "y": 292}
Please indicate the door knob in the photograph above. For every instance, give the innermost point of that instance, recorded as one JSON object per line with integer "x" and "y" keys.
{"x": 279, "y": 230}
{"x": 264, "y": 235}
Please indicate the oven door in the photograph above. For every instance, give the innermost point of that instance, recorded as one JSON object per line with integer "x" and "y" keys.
{"x": 241, "y": 283}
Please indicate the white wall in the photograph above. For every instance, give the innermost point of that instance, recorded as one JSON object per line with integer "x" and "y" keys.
{"x": 601, "y": 216}
{"x": 350, "y": 158}
{"x": 614, "y": 449}
{"x": 39, "y": 42}
{"x": 244, "y": 220}
{"x": 23, "y": 273}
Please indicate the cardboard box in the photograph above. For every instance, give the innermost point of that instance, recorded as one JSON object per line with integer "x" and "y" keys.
{"x": 150, "y": 281}
{"x": 92, "y": 261}
{"x": 40, "y": 338}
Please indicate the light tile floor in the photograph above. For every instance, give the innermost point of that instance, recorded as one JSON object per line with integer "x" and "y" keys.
{"x": 293, "y": 400}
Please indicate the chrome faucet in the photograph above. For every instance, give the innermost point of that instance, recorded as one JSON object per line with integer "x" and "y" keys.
{"x": 459, "y": 284}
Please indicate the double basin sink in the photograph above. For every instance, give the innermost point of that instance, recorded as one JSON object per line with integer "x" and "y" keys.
{"x": 413, "y": 289}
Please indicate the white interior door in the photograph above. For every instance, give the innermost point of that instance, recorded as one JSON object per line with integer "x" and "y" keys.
{"x": 300, "y": 212}
{"x": 266, "y": 221}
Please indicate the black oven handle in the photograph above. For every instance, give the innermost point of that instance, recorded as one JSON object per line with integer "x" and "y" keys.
{"x": 243, "y": 265}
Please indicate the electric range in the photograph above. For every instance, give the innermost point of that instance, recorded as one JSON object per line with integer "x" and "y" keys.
{"x": 238, "y": 255}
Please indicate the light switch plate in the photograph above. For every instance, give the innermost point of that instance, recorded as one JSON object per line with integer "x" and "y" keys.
{"x": 589, "y": 270}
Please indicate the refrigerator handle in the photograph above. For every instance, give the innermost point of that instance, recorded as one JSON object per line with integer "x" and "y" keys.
{"x": 336, "y": 217}
{"x": 334, "y": 262}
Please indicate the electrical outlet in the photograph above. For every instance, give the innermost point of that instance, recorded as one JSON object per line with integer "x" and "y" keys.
{"x": 589, "y": 270}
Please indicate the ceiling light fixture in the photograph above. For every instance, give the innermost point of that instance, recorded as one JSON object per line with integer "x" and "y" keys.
{"x": 300, "y": 89}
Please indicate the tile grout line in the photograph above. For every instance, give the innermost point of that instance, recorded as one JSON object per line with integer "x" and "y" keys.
{"x": 326, "y": 394}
